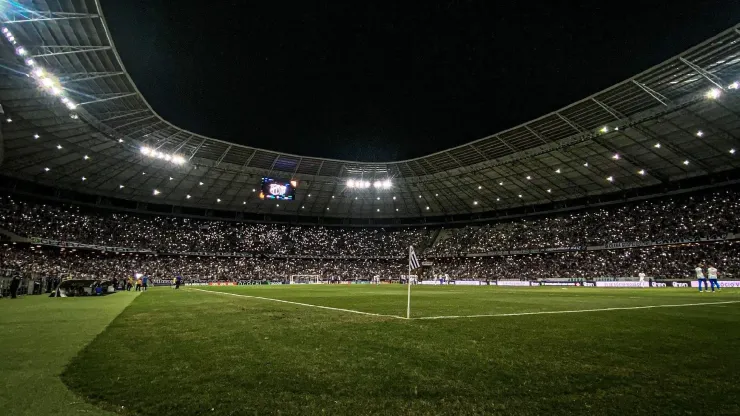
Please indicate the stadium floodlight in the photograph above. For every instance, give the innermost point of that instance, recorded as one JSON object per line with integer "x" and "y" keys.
{"x": 168, "y": 158}
{"x": 200, "y": 183}
{"x": 604, "y": 129}
{"x": 732, "y": 151}
{"x": 277, "y": 205}
{"x": 74, "y": 116}
{"x": 55, "y": 90}
{"x": 244, "y": 203}
{"x": 294, "y": 183}
{"x": 387, "y": 184}
{"x": 36, "y": 136}
{"x": 350, "y": 183}
{"x": 396, "y": 209}
{"x": 9, "y": 120}
{"x": 47, "y": 82}
{"x": 145, "y": 150}
{"x": 332, "y": 197}
{"x": 84, "y": 178}
{"x": 378, "y": 198}
{"x": 735, "y": 85}
{"x": 187, "y": 196}
{"x": 475, "y": 202}
{"x": 585, "y": 164}
{"x": 686, "y": 162}
{"x": 713, "y": 94}
{"x": 21, "y": 51}
{"x": 120, "y": 140}
{"x": 120, "y": 186}
{"x": 529, "y": 178}
{"x": 30, "y": 62}
{"x": 86, "y": 157}
{"x": 378, "y": 184}
{"x": 501, "y": 183}
{"x": 59, "y": 146}
{"x": 498, "y": 199}
{"x": 427, "y": 208}
{"x": 641, "y": 172}
{"x": 46, "y": 169}
{"x": 394, "y": 198}
{"x": 5, "y": 29}
{"x": 378, "y": 210}
{"x": 699, "y": 133}
{"x": 39, "y": 72}
{"x": 610, "y": 178}
{"x": 70, "y": 105}
{"x": 520, "y": 196}
{"x": 219, "y": 200}
{"x": 549, "y": 191}
{"x": 178, "y": 160}
{"x": 327, "y": 208}
{"x": 156, "y": 192}
{"x": 366, "y": 184}
{"x": 303, "y": 207}
{"x": 657, "y": 145}
{"x": 616, "y": 156}
{"x": 480, "y": 187}
{"x": 557, "y": 170}
{"x": 419, "y": 196}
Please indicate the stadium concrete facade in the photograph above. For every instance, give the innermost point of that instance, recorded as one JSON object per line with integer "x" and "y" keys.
{"x": 74, "y": 121}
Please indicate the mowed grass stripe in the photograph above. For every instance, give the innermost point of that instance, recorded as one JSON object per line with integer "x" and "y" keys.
{"x": 181, "y": 352}
{"x": 298, "y": 303}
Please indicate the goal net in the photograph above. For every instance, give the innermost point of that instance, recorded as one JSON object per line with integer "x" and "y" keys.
{"x": 303, "y": 279}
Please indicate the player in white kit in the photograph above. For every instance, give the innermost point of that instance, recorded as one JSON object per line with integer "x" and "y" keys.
{"x": 700, "y": 277}
{"x": 641, "y": 275}
{"x": 712, "y": 274}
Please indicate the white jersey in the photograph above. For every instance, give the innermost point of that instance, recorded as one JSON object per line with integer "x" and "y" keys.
{"x": 699, "y": 273}
{"x": 712, "y": 272}
{"x": 642, "y": 276}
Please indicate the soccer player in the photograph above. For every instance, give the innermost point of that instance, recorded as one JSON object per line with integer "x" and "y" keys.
{"x": 700, "y": 277}
{"x": 642, "y": 279}
{"x": 712, "y": 274}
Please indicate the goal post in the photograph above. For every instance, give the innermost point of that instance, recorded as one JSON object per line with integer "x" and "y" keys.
{"x": 303, "y": 279}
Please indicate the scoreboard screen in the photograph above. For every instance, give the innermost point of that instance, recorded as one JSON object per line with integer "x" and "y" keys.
{"x": 276, "y": 189}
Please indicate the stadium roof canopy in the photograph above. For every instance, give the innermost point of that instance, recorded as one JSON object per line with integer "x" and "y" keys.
{"x": 81, "y": 125}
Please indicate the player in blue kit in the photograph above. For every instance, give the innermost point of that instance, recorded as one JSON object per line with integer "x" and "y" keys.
{"x": 700, "y": 277}
{"x": 712, "y": 274}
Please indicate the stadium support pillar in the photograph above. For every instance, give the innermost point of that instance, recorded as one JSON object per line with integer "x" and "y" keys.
{"x": 408, "y": 283}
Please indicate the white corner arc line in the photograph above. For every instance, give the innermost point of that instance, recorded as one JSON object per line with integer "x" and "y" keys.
{"x": 300, "y": 304}
{"x": 624, "y": 308}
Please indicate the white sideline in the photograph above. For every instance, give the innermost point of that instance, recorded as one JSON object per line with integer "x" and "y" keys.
{"x": 578, "y": 310}
{"x": 301, "y": 304}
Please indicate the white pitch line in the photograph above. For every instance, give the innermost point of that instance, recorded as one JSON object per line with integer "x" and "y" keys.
{"x": 578, "y": 311}
{"x": 300, "y": 304}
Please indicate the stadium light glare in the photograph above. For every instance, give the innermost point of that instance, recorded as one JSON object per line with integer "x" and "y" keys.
{"x": 156, "y": 192}
{"x": 501, "y": 183}
{"x": 86, "y": 157}
{"x": 378, "y": 184}
{"x": 387, "y": 184}
{"x": 219, "y": 200}
{"x": 498, "y": 199}
{"x": 21, "y": 51}
{"x": 59, "y": 146}
{"x": 520, "y": 196}
{"x": 36, "y": 136}
{"x": 686, "y": 162}
{"x": 39, "y": 72}
{"x": 47, "y": 82}
{"x": 604, "y": 129}
{"x": 70, "y": 105}
{"x": 350, "y": 183}
{"x": 394, "y": 198}
{"x": 171, "y": 178}
{"x": 641, "y": 172}
{"x": 378, "y": 210}
{"x": 529, "y": 178}
{"x": 713, "y": 94}
{"x": 616, "y": 156}
{"x": 657, "y": 145}
{"x": 145, "y": 150}
{"x": 378, "y": 198}
{"x": 30, "y": 62}
{"x": 84, "y": 178}
{"x": 187, "y": 196}
{"x": 735, "y": 85}
{"x": 120, "y": 186}
{"x": 9, "y": 120}
{"x": 293, "y": 184}
{"x": 244, "y": 203}
{"x": 200, "y": 183}
{"x": 557, "y": 171}
{"x": 46, "y": 169}
{"x": 732, "y": 151}
{"x": 585, "y": 164}
{"x": 427, "y": 208}
{"x": 610, "y": 178}
{"x": 480, "y": 187}
{"x": 120, "y": 140}
{"x": 475, "y": 202}
{"x": 699, "y": 133}
{"x": 396, "y": 209}
{"x": 549, "y": 191}
{"x": 74, "y": 116}
{"x": 303, "y": 207}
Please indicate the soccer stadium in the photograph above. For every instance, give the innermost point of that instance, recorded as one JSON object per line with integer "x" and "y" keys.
{"x": 584, "y": 262}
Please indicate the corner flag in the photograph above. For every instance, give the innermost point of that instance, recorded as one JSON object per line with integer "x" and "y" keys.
{"x": 413, "y": 261}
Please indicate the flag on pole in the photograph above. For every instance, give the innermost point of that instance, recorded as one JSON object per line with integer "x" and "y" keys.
{"x": 413, "y": 261}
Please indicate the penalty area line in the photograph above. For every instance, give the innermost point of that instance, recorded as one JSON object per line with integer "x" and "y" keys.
{"x": 300, "y": 304}
{"x": 624, "y": 308}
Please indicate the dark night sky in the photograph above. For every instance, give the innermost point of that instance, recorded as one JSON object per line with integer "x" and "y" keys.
{"x": 379, "y": 81}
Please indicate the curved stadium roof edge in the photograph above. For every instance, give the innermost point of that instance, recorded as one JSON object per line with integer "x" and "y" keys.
{"x": 473, "y": 142}
{"x": 654, "y": 128}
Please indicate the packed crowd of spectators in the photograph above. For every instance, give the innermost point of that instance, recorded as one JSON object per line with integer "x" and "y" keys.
{"x": 680, "y": 218}
{"x": 687, "y": 217}
{"x": 674, "y": 262}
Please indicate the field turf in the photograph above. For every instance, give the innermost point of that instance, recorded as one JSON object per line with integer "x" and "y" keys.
{"x": 225, "y": 351}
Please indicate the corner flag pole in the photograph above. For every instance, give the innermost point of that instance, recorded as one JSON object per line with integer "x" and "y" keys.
{"x": 408, "y": 281}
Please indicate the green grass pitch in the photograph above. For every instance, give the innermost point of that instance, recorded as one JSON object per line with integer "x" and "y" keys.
{"x": 237, "y": 351}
